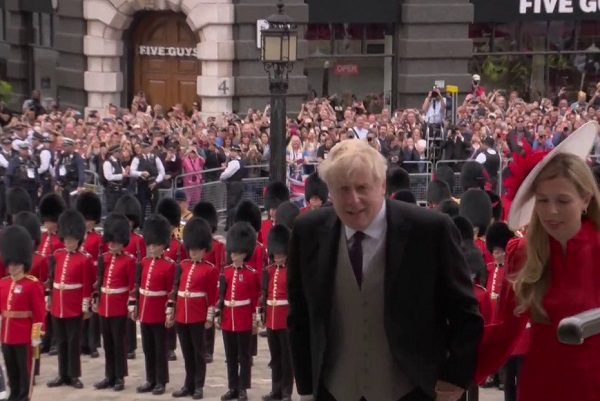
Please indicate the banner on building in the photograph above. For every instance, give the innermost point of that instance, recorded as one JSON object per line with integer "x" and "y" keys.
{"x": 536, "y": 10}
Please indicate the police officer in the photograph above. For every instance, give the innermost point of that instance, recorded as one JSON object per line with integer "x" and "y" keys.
{"x": 70, "y": 171}
{"x": 149, "y": 171}
{"x": 22, "y": 172}
{"x": 233, "y": 175}
{"x": 6, "y": 154}
{"x": 114, "y": 176}
{"x": 44, "y": 159}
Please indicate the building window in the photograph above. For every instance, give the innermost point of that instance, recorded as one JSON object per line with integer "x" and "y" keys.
{"x": 2, "y": 24}
{"x": 43, "y": 29}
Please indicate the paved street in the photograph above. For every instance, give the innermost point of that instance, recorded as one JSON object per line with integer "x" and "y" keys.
{"x": 216, "y": 380}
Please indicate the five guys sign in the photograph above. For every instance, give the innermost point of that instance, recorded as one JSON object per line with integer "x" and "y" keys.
{"x": 535, "y": 10}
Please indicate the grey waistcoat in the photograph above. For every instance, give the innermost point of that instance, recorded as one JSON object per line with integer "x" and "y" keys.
{"x": 358, "y": 362}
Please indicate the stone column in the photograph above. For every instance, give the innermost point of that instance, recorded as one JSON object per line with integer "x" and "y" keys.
{"x": 15, "y": 50}
{"x": 433, "y": 45}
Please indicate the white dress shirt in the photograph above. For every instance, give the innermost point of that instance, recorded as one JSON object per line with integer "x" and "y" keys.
{"x": 108, "y": 171}
{"x": 232, "y": 167}
{"x": 45, "y": 157}
{"x": 135, "y": 163}
{"x": 374, "y": 236}
{"x": 3, "y": 161}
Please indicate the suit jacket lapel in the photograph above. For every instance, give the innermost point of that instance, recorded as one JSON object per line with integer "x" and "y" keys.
{"x": 396, "y": 237}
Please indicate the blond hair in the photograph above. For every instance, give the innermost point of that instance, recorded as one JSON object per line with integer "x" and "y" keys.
{"x": 350, "y": 156}
{"x": 531, "y": 283}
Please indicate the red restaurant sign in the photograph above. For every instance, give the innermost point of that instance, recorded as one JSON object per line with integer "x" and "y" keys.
{"x": 346, "y": 70}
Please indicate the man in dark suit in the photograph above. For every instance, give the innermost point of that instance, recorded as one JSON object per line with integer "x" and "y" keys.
{"x": 381, "y": 302}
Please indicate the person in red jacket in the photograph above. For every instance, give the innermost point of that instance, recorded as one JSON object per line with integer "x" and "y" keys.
{"x": 239, "y": 290}
{"x": 129, "y": 206}
{"x": 90, "y": 206}
{"x": 217, "y": 256}
{"x": 275, "y": 307}
{"x": 71, "y": 285}
{"x": 155, "y": 283}
{"x": 195, "y": 292}
{"x": 555, "y": 274}
{"x": 114, "y": 283}
{"x": 316, "y": 193}
{"x": 51, "y": 207}
{"x": 274, "y": 194}
{"x": 23, "y": 314}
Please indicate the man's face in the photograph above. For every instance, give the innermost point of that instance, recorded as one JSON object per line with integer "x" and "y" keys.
{"x": 358, "y": 199}
{"x": 360, "y": 122}
{"x": 24, "y": 153}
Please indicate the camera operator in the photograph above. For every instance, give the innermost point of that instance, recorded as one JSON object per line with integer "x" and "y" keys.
{"x": 455, "y": 147}
{"x": 476, "y": 89}
{"x": 434, "y": 108}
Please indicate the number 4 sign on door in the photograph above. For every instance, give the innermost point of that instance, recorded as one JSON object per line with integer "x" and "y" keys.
{"x": 223, "y": 88}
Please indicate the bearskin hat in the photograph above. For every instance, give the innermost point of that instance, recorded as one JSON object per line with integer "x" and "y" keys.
{"x": 18, "y": 200}
{"x": 17, "y": 246}
{"x": 497, "y": 207}
{"x": 397, "y": 179}
{"x": 130, "y": 207}
{"x": 241, "y": 238}
{"x": 278, "y": 241}
{"x": 404, "y": 195}
{"x": 446, "y": 174}
{"x": 276, "y": 193}
{"x": 170, "y": 209}
{"x": 497, "y": 236}
{"x": 71, "y": 224}
{"x": 51, "y": 207}
{"x": 286, "y": 214}
{"x": 90, "y": 206}
{"x": 197, "y": 234}
{"x": 116, "y": 229}
{"x": 472, "y": 175}
{"x": 464, "y": 227}
{"x": 207, "y": 211}
{"x": 449, "y": 207}
{"x": 438, "y": 191}
{"x": 249, "y": 212}
{"x": 476, "y": 206}
{"x": 31, "y": 223}
{"x": 315, "y": 186}
{"x": 157, "y": 230}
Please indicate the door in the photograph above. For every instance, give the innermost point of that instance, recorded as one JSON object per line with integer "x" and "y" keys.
{"x": 165, "y": 62}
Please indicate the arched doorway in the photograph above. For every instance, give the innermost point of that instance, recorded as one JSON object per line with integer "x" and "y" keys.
{"x": 166, "y": 67}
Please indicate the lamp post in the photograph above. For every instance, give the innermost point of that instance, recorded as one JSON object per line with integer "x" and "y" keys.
{"x": 279, "y": 47}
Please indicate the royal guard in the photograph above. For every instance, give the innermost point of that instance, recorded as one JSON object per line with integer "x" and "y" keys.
{"x": 70, "y": 282}
{"x": 23, "y": 314}
{"x": 275, "y": 307}
{"x": 286, "y": 214}
{"x": 170, "y": 209}
{"x": 90, "y": 206}
{"x": 247, "y": 211}
{"x": 475, "y": 206}
{"x": 437, "y": 192}
{"x": 274, "y": 194}
{"x": 497, "y": 236}
{"x": 396, "y": 179}
{"x": 129, "y": 206}
{"x": 316, "y": 193}
{"x": 195, "y": 292}
{"x": 114, "y": 284}
{"x": 51, "y": 207}
{"x": 186, "y": 214}
{"x": 17, "y": 200}
{"x": 154, "y": 283}
{"x": 239, "y": 290}
{"x": 217, "y": 256}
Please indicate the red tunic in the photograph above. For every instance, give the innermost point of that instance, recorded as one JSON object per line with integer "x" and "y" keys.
{"x": 2, "y": 269}
{"x": 495, "y": 282}
{"x": 277, "y": 298}
{"x": 22, "y": 306}
{"x": 487, "y": 256}
{"x": 552, "y": 371}
{"x": 241, "y": 297}
{"x": 173, "y": 251}
{"x": 49, "y": 244}
{"x": 72, "y": 283}
{"x": 158, "y": 276}
{"x": 265, "y": 228}
{"x": 258, "y": 259}
{"x": 485, "y": 303}
{"x": 136, "y": 242}
{"x": 197, "y": 291}
{"x": 217, "y": 254}
{"x": 118, "y": 282}
{"x": 94, "y": 245}
{"x": 39, "y": 267}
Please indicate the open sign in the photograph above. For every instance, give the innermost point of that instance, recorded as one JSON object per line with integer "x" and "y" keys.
{"x": 346, "y": 70}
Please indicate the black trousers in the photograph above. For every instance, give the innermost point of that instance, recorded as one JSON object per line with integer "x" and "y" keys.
{"x": 146, "y": 197}
{"x": 66, "y": 194}
{"x": 415, "y": 395}
{"x": 235, "y": 192}
{"x": 46, "y": 184}
{"x": 171, "y": 339}
{"x": 113, "y": 330}
{"x": 48, "y": 339}
{"x": 154, "y": 345}
{"x": 67, "y": 334}
{"x": 512, "y": 371}
{"x": 131, "y": 335}
{"x": 18, "y": 365}
{"x": 2, "y": 201}
{"x": 112, "y": 196}
{"x": 209, "y": 336}
{"x": 282, "y": 375}
{"x": 90, "y": 339}
{"x": 237, "y": 353}
{"x": 191, "y": 338}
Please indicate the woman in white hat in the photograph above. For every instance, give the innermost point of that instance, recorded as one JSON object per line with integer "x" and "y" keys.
{"x": 554, "y": 272}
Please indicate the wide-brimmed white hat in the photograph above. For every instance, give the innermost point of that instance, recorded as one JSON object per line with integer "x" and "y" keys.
{"x": 579, "y": 143}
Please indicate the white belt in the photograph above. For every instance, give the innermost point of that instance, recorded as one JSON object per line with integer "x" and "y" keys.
{"x": 111, "y": 291}
{"x": 189, "y": 294}
{"x": 148, "y": 293}
{"x": 234, "y": 303}
{"x": 63, "y": 286}
{"x": 277, "y": 302}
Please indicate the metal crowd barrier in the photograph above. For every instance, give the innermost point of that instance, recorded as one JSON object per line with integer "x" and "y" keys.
{"x": 420, "y": 177}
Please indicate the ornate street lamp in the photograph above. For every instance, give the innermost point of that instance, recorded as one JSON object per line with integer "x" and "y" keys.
{"x": 279, "y": 49}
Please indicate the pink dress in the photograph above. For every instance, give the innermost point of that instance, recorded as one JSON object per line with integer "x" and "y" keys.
{"x": 192, "y": 183}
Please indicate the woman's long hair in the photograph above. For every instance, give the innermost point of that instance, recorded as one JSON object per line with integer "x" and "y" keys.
{"x": 531, "y": 283}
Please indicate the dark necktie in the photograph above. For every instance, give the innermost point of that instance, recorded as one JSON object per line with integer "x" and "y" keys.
{"x": 356, "y": 256}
